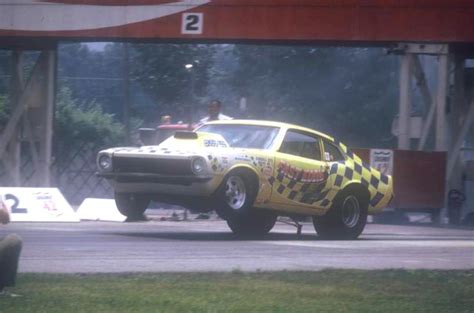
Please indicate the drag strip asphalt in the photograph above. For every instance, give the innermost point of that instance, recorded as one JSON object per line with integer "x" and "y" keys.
{"x": 197, "y": 245}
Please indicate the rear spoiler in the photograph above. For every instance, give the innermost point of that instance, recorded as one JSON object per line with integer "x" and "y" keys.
{"x": 185, "y": 135}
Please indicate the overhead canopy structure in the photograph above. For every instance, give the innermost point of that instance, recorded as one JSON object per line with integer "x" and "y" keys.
{"x": 436, "y": 27}
{"x": 341, "y": 21}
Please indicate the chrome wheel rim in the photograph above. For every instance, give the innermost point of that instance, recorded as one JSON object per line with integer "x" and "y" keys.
{"x": 235, "y": 192}
{"x": 350, "y": 211}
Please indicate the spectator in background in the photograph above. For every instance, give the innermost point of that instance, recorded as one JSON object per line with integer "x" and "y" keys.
{"x": 214, "y": 112}
{"x": 165, "y": 120}
{"x": 10, "y": 248}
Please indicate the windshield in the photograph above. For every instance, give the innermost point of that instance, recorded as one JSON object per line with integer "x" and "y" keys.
{"x": 244, "y": 136}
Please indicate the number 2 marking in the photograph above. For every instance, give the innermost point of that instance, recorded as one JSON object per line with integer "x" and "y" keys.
{"x": 192, "y": 23}
{"x": 16, "y": 202}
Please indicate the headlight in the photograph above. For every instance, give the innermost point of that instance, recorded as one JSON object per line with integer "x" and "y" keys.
{"x": 105, "y": 162}
{"x": 198, "y": 165}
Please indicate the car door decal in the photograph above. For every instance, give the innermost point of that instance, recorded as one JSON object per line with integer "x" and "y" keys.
{"x": 301, "y": 185}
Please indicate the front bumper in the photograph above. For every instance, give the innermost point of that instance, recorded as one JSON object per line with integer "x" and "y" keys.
{"x": 185, "y": 185}
{"x": 154, "y": 178}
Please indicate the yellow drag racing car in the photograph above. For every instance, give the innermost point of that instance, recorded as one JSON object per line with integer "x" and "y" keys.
{"x": 250, "y": 172}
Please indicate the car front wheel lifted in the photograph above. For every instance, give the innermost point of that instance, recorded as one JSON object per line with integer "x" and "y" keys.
{"x": 235, "y": 198}
{"x": 132, "y": 205}
{"x": 236, "y": 194}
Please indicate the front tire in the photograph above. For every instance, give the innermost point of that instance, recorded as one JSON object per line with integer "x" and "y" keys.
{"x": 236, "y": 195}
{"x": 235, "y": 199}
{"x": 131, "y": 205}
{"x": 253, "y": 225}
{"x": 345, "y": 220}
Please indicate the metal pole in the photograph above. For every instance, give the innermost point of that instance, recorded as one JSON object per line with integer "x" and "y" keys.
{"x": 193, "y": 99}
{"x": 441, "y": 120}
{"x": 429, "y": 105}
{"x": 458, "y": 113}
{"x": 453, "y": 157}
{"x": 15, "y": 143}
{"x": 405, "y": 103}
{"x": 126, "y": 92}
{"x": 441, "y": 93}
{"x": 47, "y": 140}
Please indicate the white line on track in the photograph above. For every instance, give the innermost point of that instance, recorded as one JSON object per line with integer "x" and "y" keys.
{"x": 376, "y": 244}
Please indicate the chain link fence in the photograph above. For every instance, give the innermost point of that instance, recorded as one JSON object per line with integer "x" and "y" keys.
{"x": 73, "y": 172}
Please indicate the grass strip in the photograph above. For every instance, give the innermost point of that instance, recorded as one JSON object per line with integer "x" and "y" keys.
{"x": 324, "y": 291}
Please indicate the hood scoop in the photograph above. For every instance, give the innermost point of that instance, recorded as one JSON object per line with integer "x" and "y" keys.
{"x": 185, "y": 135}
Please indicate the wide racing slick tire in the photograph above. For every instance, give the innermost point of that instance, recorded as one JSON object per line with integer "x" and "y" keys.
{"x": 234, "y": 203}
{"x": 236, "y": 195}
{"x": 252, "y": 225}
{"x": 132, "y": 205}
{"x": 346, "y": 218}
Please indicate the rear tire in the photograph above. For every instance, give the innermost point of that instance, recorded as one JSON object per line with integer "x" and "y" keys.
{"x": 345, "y": 220}
{"x": 132, "y": 205}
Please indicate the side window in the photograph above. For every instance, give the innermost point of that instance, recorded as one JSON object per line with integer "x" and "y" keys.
{"x": 300, "y": 144}
{"x": 331, "y": 152}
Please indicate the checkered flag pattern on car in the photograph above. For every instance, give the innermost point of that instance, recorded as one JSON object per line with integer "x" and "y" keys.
{"x": 321, "y": 194}
{"x": 314, "y": 193}
{"x": 370, "y": 177}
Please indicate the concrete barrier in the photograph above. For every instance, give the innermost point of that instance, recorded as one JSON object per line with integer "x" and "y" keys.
{"x": 100, "y": 210}
{"x": 37, "y": 205}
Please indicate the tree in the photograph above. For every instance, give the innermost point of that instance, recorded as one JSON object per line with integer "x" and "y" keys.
{"x": 347, "y": 92}
{"x": 350, "y": 93}
{"x": 75, "y": 125}
{"x": 92, "y": 76}
{"x": 160, "y": 71}
{"x": 5, "y": 70}
{"x": 158, "y": 81}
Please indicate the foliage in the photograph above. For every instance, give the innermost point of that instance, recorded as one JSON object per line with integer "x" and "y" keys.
{"x": 347, "y": 92}
{"x": 92, "y": 76}
{"x": 4, "y": 111}
{"x": 78, "y": 118}
{"x": 84, "y": 122}
{"x": 5, "y": 66}
{"x": 160, "y": 71}
{"x": 4, "y": 83}
{"x": 350, "y": 93}
{"x": 324, "y": 291}
{"x": 158, "y": 80}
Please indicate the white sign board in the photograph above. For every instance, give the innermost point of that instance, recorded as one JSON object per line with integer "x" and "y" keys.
{"x": 192, "y": 23}
{"x": 37, "y": 205}
{"x": 415, "y": 126}
{"x": 100, "y": 210}
{"x": 382, "y": 160}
